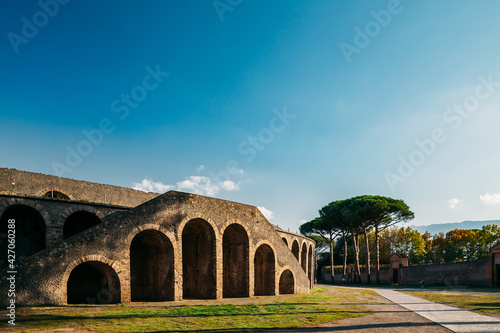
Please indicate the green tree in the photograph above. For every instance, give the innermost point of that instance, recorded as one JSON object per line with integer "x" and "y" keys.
{"x": 405, "y": 240}
{"x": 437, "y": 248}
{"x": 354, "y": 217}
{"x": 488, "y": 236}
{"x": 354, "y": 221}
{"x": 325, "y": 228}
{"x": 334, "y": 218}
{"x": 379, "y": 212}
{"x": 458, "y": 245}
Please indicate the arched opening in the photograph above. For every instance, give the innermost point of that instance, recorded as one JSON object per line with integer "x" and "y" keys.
{"x": 55, "y": 195}
{"x": 93, "y": 282}
{"x": 311, "y": 265}
{"x": 78, "y": 222}
{"x": 198, "y": 260}
{"x": 295, "y": 249}
{"x": 235, "y": 261}
{"x": 303, "y": 257}
{"x": 287, "y": 282}
{"x": 29, "y": 230}
{"x": 285, "y": 241}
{"x": 151, "y": 267}
{"x": 264, "y": 271}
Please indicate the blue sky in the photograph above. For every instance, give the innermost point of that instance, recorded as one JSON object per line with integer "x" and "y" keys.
{"x": 285, "y": 105}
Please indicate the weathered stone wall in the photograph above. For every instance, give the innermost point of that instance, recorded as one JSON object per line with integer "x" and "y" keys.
{"x": 306, "y": 259}
{"x": 469, "y": 273}
{"x": 43, "y": 277}
{"x": 56, "y": 211}
{"x": 383, "y": 275}
{"x": 24, "y": 183}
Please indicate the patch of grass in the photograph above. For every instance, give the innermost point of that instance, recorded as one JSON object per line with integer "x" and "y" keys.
{"x": 322, "y": 305}
{"x": 486, "y": 303}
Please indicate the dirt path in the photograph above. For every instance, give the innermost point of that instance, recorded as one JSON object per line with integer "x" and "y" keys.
{"x": 386, "y": 317}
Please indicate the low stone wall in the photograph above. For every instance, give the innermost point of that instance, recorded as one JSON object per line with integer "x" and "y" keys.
{"x": 384, "y": 275}
{"x": 466, "y": 273}
{"x": 469, "y": 273}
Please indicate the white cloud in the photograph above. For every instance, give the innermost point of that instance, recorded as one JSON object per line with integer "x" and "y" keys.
{"x": 198, "y": 185}
{"x": 201, "y": 167}
{"x": 229, "y": 185}
{"x": 454, "y": 202}
{"x": 147, "y": 185}
{"x": 266, "y": 212}
{"x": 194, "y": 184}
{"x": 490, "y": 199}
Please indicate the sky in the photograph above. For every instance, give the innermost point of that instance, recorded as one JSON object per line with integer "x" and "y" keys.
{"x": 284, "y": 105}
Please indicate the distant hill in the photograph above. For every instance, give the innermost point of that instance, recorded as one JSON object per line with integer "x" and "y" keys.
{"x": 445, "y": 227}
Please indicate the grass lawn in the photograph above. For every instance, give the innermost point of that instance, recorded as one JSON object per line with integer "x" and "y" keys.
{"x": 483, "y": 302}
{"x": 322, "y": 305}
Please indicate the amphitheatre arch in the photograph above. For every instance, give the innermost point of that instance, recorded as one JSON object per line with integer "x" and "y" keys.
{"x": 296, "y": 249}
{"x": 264, "y": 266}
{"x": 79, "y": 221}
{"x": 303, "y": 257}
{"x": 93, "y": 282}
{"x": 198, "y": 260}
{"x": 151, "y": 267}
{"x": 311, "y": 265}
{"x": 30, "y": 229}
{"x": 287, "y": 282}
{"x": 235, "y": 251}
{"x": 55, "y": 193}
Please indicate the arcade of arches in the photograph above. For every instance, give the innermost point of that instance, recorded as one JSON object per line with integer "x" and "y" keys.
{"x": 196, "y": 259}
{"x": 152, "y": 261}
{"x": 152, "y": 268}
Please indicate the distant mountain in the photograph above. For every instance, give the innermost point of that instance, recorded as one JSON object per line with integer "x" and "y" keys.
{"x": 445, "y": 227}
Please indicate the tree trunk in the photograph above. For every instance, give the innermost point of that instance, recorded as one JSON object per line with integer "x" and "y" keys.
{"x": 377, "y": 254}
{"x": 345, "y": 256}
{"x": 367, "y": 244}
{"x": 355, "y": 240}
{"x": 332, "y": 274}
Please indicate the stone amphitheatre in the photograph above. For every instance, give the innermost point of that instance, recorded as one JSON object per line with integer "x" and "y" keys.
{"x": 78, "y": 242}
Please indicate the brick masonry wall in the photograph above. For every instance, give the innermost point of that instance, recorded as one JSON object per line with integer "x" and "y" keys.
{"x": 43, "y": 277}
{"x": 24, "y": 183}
